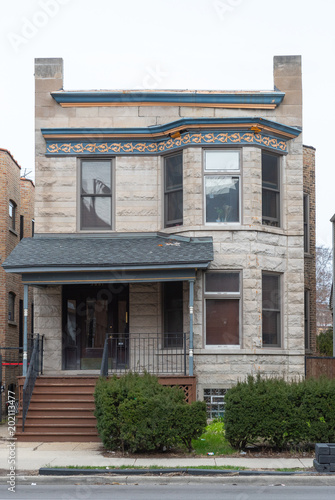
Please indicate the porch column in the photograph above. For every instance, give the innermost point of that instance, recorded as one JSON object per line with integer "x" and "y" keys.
{"x": 25, "y": 329}
{"x": 190, "y": 356}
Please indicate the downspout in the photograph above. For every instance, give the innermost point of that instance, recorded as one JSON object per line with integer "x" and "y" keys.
{"x": 190, "y": 356}
{"x": 25, "y": 330}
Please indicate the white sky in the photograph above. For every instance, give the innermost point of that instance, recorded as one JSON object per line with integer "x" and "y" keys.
{"x": 185, "y": 44}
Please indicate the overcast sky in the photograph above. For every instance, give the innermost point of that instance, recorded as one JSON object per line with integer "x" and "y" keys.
{"x": 171, "y": 44}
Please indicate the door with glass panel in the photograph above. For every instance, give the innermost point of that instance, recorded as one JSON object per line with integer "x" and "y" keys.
{"x": 90, "y": 312}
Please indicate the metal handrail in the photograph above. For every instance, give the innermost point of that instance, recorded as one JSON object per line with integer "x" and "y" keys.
{"x": 33, "y": 371}
{"x": 104, "y": 362}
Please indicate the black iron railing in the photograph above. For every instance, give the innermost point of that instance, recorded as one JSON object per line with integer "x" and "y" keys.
{"x": 34, "y": 369}
{"x": 104, "y": 363}
{"x": 156, "y": 353}
{"x": 12, "y": 368}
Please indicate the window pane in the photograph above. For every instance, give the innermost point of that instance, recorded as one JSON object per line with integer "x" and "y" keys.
{"x": 222, "y": 282}
{"x": 96, "y": 212}
{"x": 173, "y": 172}
{"x": 96, "y": 177}
{"x": 173, "y": 314}
{"x": 222, "y": 160}
{"x": 11, "y": 306}
{"x": 270, "y": 171}
{"x": 174, "y": 208}
{"x": 222, "y": 322}
{"x": 271, "y": 328}
{"x": 222, "y": 199}
{"x": 270, "y": 204}
{"x": 270, "y": 291}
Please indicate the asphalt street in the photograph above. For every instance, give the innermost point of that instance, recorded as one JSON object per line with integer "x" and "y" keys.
{"x": 162, "y": 491}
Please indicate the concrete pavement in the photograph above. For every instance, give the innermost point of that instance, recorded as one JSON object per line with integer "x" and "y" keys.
{"x": 33, "y": 456}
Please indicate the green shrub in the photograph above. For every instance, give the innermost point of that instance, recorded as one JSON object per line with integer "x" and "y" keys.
{"x": 136, "y": 413}
{"x": 324, "y": 343}
{"x": 279, "y": 412}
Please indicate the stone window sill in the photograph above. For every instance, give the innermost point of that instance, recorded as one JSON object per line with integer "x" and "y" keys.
{"x": 13, "y": 231}
{"x": 12, "y": 323}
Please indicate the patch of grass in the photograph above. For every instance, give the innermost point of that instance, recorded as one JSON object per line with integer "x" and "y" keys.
{"x": 124, "y": 467}
{"x": 213, "y": 441}
{"x": 287, "y": 469}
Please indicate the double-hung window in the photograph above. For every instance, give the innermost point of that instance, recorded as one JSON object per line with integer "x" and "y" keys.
{"x": 222, "y": 186}
{"x": 11, "y": 306}
{"x": 271, "y": 309}
{"x": 96, "y": 194}
{"x": 270, "y": 190}
{"x": 173, "y": 190}
{"x": 12, "y": 214}
{"x": 222, "y": 308}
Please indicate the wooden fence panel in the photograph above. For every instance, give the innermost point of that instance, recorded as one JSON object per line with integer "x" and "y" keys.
{"x": 317, "y": 366}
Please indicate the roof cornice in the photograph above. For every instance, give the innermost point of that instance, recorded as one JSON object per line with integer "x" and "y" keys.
{"x": 217, "y": 99}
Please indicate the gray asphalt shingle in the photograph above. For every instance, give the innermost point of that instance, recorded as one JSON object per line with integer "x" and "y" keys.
{"x": 127, "y": 250}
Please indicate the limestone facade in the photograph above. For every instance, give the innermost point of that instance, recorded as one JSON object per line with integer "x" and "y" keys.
{"x": 249, "y": 247}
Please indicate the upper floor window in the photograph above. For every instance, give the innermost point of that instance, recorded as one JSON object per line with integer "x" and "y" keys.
{"x": 270, "y": 190}
{"x": 222, "y": 186}
{"x": 21, "y": 227}
{"x": 222, "y": 308}
{"x": 306, "y": 223}
{"x": 11, "y": 306}
{"x": 271, "y": 310}
{"x": 96, "y": 194}
{"x": 12, "y": 214}
{"x": 173, "y": 190}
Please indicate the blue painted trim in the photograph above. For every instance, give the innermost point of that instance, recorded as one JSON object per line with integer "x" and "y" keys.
{"x": 163, "y": 129}
{"x": 257, "y": 98}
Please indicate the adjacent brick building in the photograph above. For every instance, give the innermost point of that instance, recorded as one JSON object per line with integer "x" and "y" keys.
{"x": 309, "y": 249}
{"x": 16, "y": 216}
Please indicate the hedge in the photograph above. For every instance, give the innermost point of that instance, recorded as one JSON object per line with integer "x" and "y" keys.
{"x": 280, "y": 413}
{"x": 136, "y": 413}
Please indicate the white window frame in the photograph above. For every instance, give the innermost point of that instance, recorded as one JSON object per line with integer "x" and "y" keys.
{"x": 223, "y": 296}
{"x": 79, "y": 194}
{"x": 220, "y": 172}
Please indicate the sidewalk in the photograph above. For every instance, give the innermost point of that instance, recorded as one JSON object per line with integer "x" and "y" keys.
{"x": 33, "y": 456}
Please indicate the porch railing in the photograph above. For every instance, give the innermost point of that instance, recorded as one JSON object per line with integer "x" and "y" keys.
{"x": 35, "y": 368}
{"x": 156, "y": 353}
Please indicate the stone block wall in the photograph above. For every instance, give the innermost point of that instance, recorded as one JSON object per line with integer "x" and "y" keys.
{"x": 249, "y": 247}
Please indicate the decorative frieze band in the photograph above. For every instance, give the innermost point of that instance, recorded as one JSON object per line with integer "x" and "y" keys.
{"x": 139, "y": 147}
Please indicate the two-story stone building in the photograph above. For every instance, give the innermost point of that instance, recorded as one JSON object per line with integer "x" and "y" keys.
{"x": 174, "y": 221}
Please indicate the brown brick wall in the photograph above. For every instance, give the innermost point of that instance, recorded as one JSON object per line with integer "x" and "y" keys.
{"x": 22, "y": 193}
{"x": 310, "y": 280}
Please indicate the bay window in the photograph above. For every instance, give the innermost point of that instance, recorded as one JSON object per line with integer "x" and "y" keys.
{"x": 222, "y": 186}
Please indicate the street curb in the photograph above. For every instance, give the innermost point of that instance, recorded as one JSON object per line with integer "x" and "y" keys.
{"x": 46, "y": 471}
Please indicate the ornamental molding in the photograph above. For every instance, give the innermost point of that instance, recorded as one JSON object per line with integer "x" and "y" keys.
{"x": 163, "y": 146}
